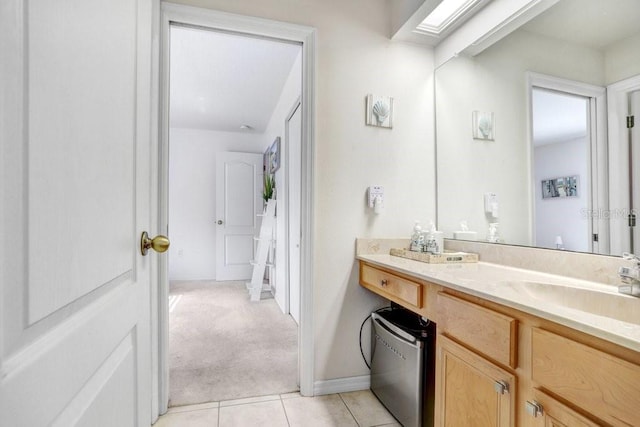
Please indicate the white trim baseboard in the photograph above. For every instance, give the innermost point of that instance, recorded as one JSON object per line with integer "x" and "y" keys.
{"x": 342, "y": 385}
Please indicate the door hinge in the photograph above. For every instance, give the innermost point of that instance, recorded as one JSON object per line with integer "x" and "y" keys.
{"x": 630, "y": 121}
{"x": 632, "y": 220}
{"x": 595, "y": 237}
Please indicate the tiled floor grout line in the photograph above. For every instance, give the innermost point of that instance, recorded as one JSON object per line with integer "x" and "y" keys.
{"x": 262, "y": 399}
{"x": 281, "y": 397}
{"x": 349, "y": 409}
{"x": 182, "y": 408}
{"x": 285, "y": 411}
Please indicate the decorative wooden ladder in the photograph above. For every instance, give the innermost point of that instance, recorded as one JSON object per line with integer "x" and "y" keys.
{"x": 265, "y": 241}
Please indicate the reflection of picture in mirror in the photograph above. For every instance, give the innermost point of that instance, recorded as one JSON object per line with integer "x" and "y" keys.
{"x": 560, "y": 187}
{"x": 483, "y": 125}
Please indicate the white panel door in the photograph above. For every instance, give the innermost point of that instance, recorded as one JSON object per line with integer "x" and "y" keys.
{"x": 634, "y": 140}
{"x": 238, "y": 201}
{"x": 75, "y": 131}
{"x": 294, "y": 139}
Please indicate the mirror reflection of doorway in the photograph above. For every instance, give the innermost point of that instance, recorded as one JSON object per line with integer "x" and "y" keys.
{"x": 561, "y": 169}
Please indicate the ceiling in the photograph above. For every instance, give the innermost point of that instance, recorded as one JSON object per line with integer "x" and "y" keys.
{"x": 595, "y": 24}
{"x": 591, "y": 23}
{"x": 220, "y": 81}
{"x": 557, "y": 117}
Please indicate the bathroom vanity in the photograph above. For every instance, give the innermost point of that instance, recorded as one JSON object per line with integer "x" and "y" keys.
{"x": 518, "y": 347}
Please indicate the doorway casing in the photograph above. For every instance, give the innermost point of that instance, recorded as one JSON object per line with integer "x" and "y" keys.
{"x": 172, "y": 14}
{"x": 597, "y": 123}
{"x": 618, "y": 98}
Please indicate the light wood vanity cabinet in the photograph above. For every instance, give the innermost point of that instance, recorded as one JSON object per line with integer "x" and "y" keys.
{"x": 472, "y": 388}
{"x": 497, "y": 366}
{"x": 551, "y": 413}
{"x": 487, "y": 332}
{"x": 471, "y": 391}
{"x": 405, "y": 292}
{"x": 596, "y": 382}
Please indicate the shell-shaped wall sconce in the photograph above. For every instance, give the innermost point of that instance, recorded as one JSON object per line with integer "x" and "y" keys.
{"x": 483, "y": 125}
{"x": 379, "y": 111}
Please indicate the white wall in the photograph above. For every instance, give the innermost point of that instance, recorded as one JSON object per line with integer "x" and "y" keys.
{"x": 564, "y": 217}
{"x": 495, "y": 81}
{"x": 488, "y": 26}
{"x": 355, "y": 57}
{"x": 290, "y": 93}
{"x": 192, "y": 209}
{"x": 621, "y": 60}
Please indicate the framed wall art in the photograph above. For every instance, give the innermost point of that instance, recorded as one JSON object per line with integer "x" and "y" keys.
{"x": 273, "y": 154}
{"x": 379, "y": 111}
{"x": 566, "y": 186}
{"x": 483, "y": 126}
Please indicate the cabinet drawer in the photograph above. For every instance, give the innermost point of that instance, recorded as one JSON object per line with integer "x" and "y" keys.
{"x": 490, "y": 333}
{"x": 395, "y": 288}
{"x": 602, "y": 384}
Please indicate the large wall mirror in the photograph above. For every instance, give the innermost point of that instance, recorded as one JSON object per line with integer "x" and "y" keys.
{"x": 532, "y": 141}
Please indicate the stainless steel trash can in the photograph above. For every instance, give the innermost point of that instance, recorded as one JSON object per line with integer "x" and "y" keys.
{"x": 402, "y": 365}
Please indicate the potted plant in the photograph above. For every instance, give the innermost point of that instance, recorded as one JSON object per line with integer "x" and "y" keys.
{"x": 268, "y": 187}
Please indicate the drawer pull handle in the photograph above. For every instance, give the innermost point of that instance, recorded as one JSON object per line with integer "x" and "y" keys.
{"x": 384, "y": 282}
{"x": 533, "y": 408}
{"x": 501, "y": 387}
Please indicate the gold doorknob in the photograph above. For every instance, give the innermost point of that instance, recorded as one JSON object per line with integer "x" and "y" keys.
{"x": 159, "y": 243}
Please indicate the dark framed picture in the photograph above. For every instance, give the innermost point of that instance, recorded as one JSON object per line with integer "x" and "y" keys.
{"x": 566, "y": 186}
{"x": 266, "y": 164}
{"x": 274, "y": 156}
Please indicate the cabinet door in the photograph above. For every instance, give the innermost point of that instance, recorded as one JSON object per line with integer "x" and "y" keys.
{"x": 555, "y": 414}
{"x": 606, "y": 386}
{"x": 471, "y": 390}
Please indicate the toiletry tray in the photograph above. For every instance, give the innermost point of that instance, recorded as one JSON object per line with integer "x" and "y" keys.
{"x": 444, "y": 258}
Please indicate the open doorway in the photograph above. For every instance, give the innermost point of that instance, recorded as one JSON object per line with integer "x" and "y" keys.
{"x": 231, "y": 96}
{"x": 561, "y": 167}
{"x": 568, "y": 152}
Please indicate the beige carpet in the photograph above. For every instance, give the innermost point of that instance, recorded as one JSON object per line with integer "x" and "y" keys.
{"x": 222, "y": 346}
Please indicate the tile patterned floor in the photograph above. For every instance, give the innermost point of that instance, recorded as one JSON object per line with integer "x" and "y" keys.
{"x": 358, "y": 409}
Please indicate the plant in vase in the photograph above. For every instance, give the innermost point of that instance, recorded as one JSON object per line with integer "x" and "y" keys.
{"x": 268, "y": 187}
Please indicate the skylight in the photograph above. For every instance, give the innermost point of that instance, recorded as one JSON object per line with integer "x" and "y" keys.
{"x": 445, "y": 14}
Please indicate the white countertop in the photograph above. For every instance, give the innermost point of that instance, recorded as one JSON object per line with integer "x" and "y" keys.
{"x": 503, "y": 285}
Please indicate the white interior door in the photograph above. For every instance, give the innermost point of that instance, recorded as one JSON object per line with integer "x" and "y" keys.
{"x": 75, "y": 131}
{"x": 294, "y": 144}
{"x": 238, "y": 201}
{"x": 634, "y": 141}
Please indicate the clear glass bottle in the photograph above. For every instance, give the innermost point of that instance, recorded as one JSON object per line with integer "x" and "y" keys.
{"x": 417, "y": 239}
